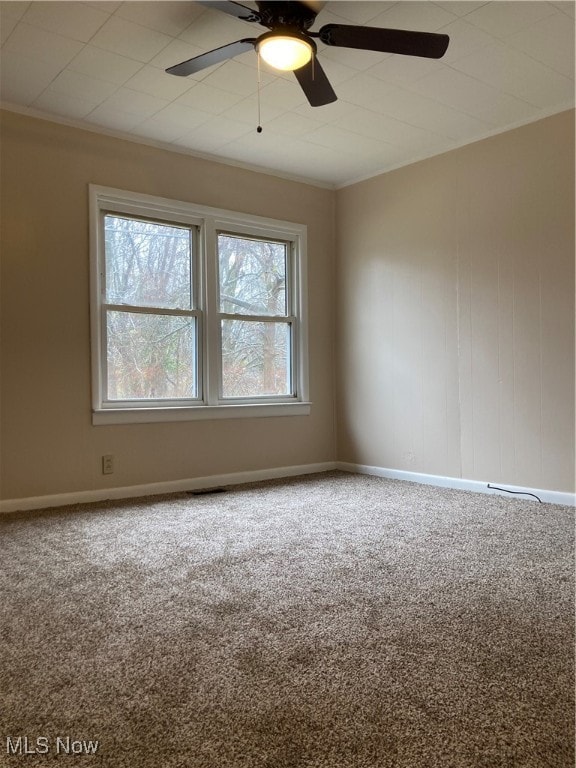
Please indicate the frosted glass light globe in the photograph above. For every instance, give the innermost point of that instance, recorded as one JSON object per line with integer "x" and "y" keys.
{"x": 285, "y": 52}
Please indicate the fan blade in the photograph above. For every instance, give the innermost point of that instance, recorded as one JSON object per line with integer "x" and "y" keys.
{"x": 232, "y": 9}
{"x": 315, "y": 84}
{"x": 428, "y": 44}
{"x": 212, "y": 57}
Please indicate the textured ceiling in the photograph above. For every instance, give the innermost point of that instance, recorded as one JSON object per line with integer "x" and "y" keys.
{"x": 102, "y": 64}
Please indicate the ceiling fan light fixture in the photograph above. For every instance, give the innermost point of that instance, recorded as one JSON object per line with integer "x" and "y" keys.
{"x": 285, "y": 52}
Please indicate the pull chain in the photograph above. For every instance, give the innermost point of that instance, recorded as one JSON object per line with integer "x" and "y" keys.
{"x": 259, "y": 128}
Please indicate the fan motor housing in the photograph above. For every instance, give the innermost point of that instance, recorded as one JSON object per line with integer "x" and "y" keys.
{"x": 286, "y": 14}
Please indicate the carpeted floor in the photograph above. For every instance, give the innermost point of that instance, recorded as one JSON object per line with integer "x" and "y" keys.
{"x": 330, "y": 621}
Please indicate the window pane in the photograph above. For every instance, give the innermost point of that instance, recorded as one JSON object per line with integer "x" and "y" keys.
{"x": 252, "y": 276}
{"x": 147, "y": 264}
{"x": 255, "y": 358}
{"x": 151, "y": 357}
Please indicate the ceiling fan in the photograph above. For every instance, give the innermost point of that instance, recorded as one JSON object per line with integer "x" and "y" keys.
{"x": 289, "y": 45}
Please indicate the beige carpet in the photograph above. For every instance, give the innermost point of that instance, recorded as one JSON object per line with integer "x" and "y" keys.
{"x": 331, "y": 621}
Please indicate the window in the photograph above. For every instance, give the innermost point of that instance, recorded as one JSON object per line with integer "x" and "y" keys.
{"x": 256, "y": 327}
{"x": 196, "y": 312}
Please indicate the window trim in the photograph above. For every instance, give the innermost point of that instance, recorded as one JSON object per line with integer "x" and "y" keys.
{"x": 209, "y": 222}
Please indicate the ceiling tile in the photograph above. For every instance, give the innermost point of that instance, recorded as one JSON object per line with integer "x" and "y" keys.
{"x": 329, "y": 112}
{"x": 365, "y": 91}
{"x": 134, "y": 102}
{"x": 292, "y": 124}
{"x": 319, "y": 171}
{"x": 469, "y": 95}
{"x": 336, "y": 70}
{"x": 448, "y": 122}
{"x": 107, "y": 6}
{"x": 67, "y": 106}
{"x": 507, "y": 17}
{"x": 213, "y": 134}
{"x": 460, "y": 7}
{"x": 7, "y": 24}
{"x": 129, "y": 39}
{"x": 76, "y": 20}
{"x": 390, "y": 130}
{"x": 157, "y": 83}
{"x": 213, "y": 28}
{"x": 358, "y": 12}
{"x": 372, "y": 158}
{"x": 515, "y": 73}
{"x": 567, "y": 7}
{"x": 12, "y": 10}
{"x": 292, "y": 155}
{"x": 550, "y": 41}
{"x": 114, "y": 118}
{"x": 235, "y": 77}
{"x": 211, "y": 100}
{"x": 339, "y": 167}
{"x": 80, "y": 86}
{"x": 355, "y": 59}
{"x": 284, "y": 94}
{"x": 246, "y": 111}
{"x": 23, "y": 79}
{"x": 464, "y": 39}
{"x": 40, "y": 44}
{"x": 104, "y": 65}
{"x": 342, "y": 140}
{"x": 414, "y": 15}
{"x": 181, "y": 115}
{"x": 169, "y": 17}
{"x": 416, "y": 116}
{"x": 402, "y": 70}
{"x": 249, "y": 148}
{"x": 174, "y": 53}
{"x": 161, "y": 129}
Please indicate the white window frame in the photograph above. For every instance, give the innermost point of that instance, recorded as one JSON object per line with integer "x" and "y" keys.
{"x": 208, "y": 223}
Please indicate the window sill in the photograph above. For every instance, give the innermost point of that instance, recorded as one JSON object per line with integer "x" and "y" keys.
{"x": 198, "y": 413}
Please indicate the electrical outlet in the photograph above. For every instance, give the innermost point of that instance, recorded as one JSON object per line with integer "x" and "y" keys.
{"x": 108, "y": 464}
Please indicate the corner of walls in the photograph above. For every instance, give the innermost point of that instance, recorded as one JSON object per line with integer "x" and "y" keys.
{"x": 455, "y": 294}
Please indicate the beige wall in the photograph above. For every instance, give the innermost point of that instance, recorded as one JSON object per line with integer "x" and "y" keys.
{"x": 455, "y": 331}
{"x": 454, "y": 321}
{"x": 49, "y": 445}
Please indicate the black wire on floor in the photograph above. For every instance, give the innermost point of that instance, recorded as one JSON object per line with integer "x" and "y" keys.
{"x": 523, "y": 493}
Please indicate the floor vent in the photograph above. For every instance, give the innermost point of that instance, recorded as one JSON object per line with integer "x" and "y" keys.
{"x": 205, "y": 491}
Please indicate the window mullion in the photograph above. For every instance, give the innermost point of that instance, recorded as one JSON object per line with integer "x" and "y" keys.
{"x": 212, "y": 342}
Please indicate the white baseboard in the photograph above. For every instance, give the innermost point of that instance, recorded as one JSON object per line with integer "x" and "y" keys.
{"x": 553, "y": 497}
{"x": 154, "y": 489}
{"x": 237, "y": 478}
